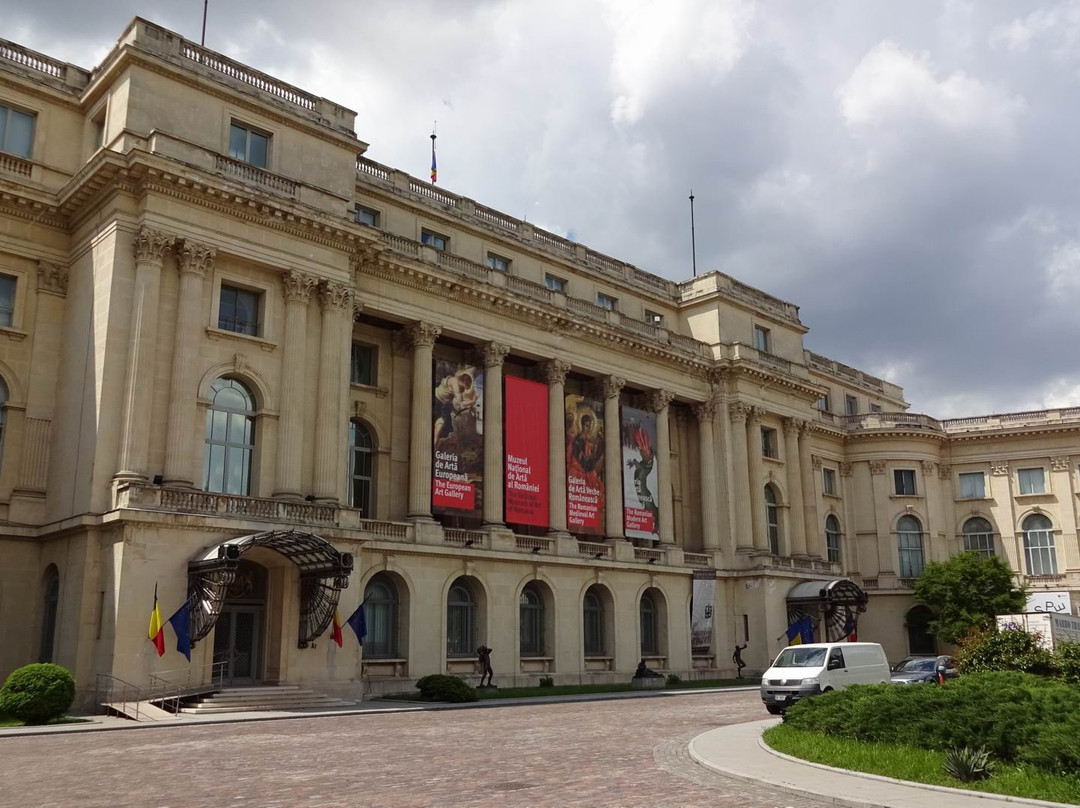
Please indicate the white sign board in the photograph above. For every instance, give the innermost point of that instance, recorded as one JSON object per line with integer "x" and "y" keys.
{"x": 1049, "y": 602}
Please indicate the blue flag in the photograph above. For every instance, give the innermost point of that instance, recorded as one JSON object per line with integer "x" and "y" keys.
{"x": 801, "y": 631}
{"x": 358, "y": 623}
{"x": 181, "y": 623}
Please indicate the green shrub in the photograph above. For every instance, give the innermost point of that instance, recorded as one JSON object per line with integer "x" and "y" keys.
{"x": 37, "y": 694}
{"x": 1057, "y": 748}
{"x": 547, "y": 681}
{"x": 673, "y": 679}
{"x": 440, "y": 687}
{"x": 1008, "y": 650}
{"x": 1067, "y": 658}
{"x": 968, "y": 765}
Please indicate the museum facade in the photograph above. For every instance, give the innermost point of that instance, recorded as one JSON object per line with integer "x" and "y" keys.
{"x": 248, "y": 369}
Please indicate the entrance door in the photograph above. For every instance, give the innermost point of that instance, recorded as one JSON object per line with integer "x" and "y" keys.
{"x": 236, "y": 645}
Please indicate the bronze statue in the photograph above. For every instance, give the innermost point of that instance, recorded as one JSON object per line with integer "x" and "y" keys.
{"x": 643, "y": 672}
{"x": 484, "y": 654}
{"x": 738, "y": 660}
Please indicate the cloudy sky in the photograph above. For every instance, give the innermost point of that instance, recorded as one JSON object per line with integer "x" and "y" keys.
{"x": 906, "y": 173}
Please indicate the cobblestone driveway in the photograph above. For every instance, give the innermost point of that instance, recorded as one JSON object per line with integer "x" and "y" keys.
{"x": 596, "y": 754}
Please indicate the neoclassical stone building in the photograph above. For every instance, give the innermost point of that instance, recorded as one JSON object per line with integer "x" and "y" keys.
{"x": 247, "y": 366}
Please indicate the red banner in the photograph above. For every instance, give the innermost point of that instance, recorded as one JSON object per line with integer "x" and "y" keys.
{"x": 526, "y": 446}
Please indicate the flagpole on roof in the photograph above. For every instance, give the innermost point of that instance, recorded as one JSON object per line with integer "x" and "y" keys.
{"x": 434, "y": 168}
{"x": 205, "y": 4}
{"x": 693, "y": 237}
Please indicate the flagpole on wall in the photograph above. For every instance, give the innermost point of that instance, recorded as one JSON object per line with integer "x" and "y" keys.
{"x": 693, "y": 237}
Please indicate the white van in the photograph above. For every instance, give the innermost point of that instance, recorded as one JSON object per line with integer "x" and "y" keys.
{"x": 806, "y": 670}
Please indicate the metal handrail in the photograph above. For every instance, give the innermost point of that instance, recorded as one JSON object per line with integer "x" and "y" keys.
{"x": 107, "y": 695}
{"x": 164, "y": 689}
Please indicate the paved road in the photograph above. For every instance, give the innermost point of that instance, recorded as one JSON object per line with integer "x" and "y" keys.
{"x": 609, "y": 754}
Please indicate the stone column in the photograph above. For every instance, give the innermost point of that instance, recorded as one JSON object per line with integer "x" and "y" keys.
{"x": 331, "y": 428}
{"x": 757, "y": 489}
{"x": 792, "y": 465}
{"x": 194, "y": 261}
{"x": 297, "y": 288}
{"x": 494, "y": 481}
{"x": 612, "y": 386}
{"x": 150, "y": 247}
{"x": 809, "y": 491}
{"x": 710, "y": 521}
{"x": 740, "y": 476}
{"x": 555, "y": 374}
{"x": 659, "y": 402}
{"x": 422, "y": 336}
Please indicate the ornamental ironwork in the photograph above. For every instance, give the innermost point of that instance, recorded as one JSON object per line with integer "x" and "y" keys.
{"x": 838, "y": 603}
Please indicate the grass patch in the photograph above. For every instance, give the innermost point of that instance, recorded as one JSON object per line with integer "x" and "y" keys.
{"x": 574, "y": 690}
{"x": 918, "y": 765}
{"x": 7, "y": 723}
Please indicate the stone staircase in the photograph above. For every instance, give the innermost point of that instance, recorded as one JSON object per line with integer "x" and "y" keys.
{"x": 261, "y": 698}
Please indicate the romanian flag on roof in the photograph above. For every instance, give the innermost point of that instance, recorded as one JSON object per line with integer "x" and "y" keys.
{"x": 157, "y": 629}
{"x": 337, "y": 629}
{"x": 434, "y": 167}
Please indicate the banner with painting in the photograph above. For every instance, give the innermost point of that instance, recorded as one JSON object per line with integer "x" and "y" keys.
{"x": 702, "y": 608}
{"x": 641, "y": 510}
{"x": 526, "y": 448}
{"x": 584, "y": 465}
{"x": 457, "y": 416}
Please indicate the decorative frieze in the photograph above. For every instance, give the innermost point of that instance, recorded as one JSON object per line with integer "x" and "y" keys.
{"x": 944, "y": 471}
{"x": 52, "y": 278}
{"x": 877, "y": 467}
{"x": 1062, "y": 463}
{"x": 999, "y": 468}
{"x": 845, "y": 468}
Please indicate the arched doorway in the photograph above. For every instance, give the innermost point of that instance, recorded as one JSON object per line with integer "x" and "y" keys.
{"x": 239, "y": 630}
{"x": 920, "y": 640}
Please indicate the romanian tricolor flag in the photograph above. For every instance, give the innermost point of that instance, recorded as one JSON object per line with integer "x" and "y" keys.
{"x": 434, "y": 168}
{"x": 157, "y": 629}
{"x": 337, "y": 629}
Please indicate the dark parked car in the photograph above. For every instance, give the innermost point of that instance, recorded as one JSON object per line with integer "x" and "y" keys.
{"x": 917, "y": 669}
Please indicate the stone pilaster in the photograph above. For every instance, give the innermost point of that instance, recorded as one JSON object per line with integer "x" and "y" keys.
{"x": 809, "y": 491}
{"x": 659, "y": 402}
{"x": 331, "y": 426}
{"x": 740, "y": 482}
{"x": 612, "y": 386}
{"x": 710, "y": 520}
{"x": 494, "y": 354}
{"x": 150, "y": 246}
{"x": 194, "y": 261}
{"x": 297, "y": 288}
{"x": 799, "y": 529}
{"x": 555, "y": 374}
{"x": 756, "y": 472}
{"x": 422, "y": 336}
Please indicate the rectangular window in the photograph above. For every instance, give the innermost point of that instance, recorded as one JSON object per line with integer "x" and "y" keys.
{"x": 761, "y": 339}
{"x": 606, "y": 301}
{"x": 768, "y": 443}
{"x": 851, "y": 405}
{"x": 905, "y": 482}
{"x": 16, "y": 132}
{"x": 363, "y": 364}
{"x": 823, "y": 403}
{"x": 828, "y": 481}
{"x": 555, "y": 284}
{"x": 7, "y": 300}
{"x": 652, "y": 318}
{"x": 434, "y": 240}
{"x": 238, "y": 310}
{"x": 249, "y": 145}
{"x": 368, "y": 216}
{"x": 1032, "y": 481}
{"x": 973, "y": 485}
{"x": 875, "y": 408}
{"x": 498, "y": 263}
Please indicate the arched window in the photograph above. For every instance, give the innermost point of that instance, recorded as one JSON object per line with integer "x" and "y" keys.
{"x": 979, "y": 536}
{"x": 3, "y": 414}
{"x": 361, "y": 467}
{"x": 1039, "y": 545}
{"x": 650, "y": 626}
{"x": 381, "y": 616}
{"x": 772, "y": 519}
{"x": 460, "y": 621}
{"x": 594, "y": 622}
{"x": 531, "y": 617}
{"x": 832, "y": 538}
{"x": 230, "y": 438}
{"x": 920, "y": 640}
{"x": 909, "y": 538}
{"x": 48, "y": 615}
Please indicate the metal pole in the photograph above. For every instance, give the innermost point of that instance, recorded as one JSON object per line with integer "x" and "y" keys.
{"x": 693, "y": 237}
{"x": 205, "y": 4}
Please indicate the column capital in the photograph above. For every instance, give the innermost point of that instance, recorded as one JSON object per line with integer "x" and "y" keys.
{"x": 738, "y": 411}
{"x": 422, "y": 335}
{"x": 150, "y": 244}
{"x": 793, "y": 426}
{"x": 815, "y": 462}
{"x": 611, "y": 386}
{"x": 335, "y": 296}
{"x": 196, "y": 259}
{"x": 845, "y": 468}
{"x": 494, "y": 354}
{"x": 705, "y": 410}
{"x": 52, "y": 278}
{"x": 659, "y": 400}
{"x": 717, "y": 377}
{"x": 755, "y": 412}
{"x": 298, "y": 286}
{"x": 806, "y": 427}
{"x": 555, "y": 371}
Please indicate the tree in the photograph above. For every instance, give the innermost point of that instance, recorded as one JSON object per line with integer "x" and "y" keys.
{"x": 966, "y": 592}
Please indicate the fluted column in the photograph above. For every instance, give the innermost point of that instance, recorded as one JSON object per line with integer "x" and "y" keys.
{"x": 612, "y": 386}
{"x": 193, "y": 261}
{"x": 330, "y": 425}
{"x": 754, "y": 468}
{"x": 806, "y": 468}
{"x": 494, "y": 481}
{"x": 659, "y": 402}
{"x": 740, "y": 475}
{"x": 792, "y": 465}
{"x": 150, "y": 247}
{"x": 555, "y": 374}
{"x": 422, "y": 336}
{"x": 297, "y": 288}
{"x": 710, "y": 521}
